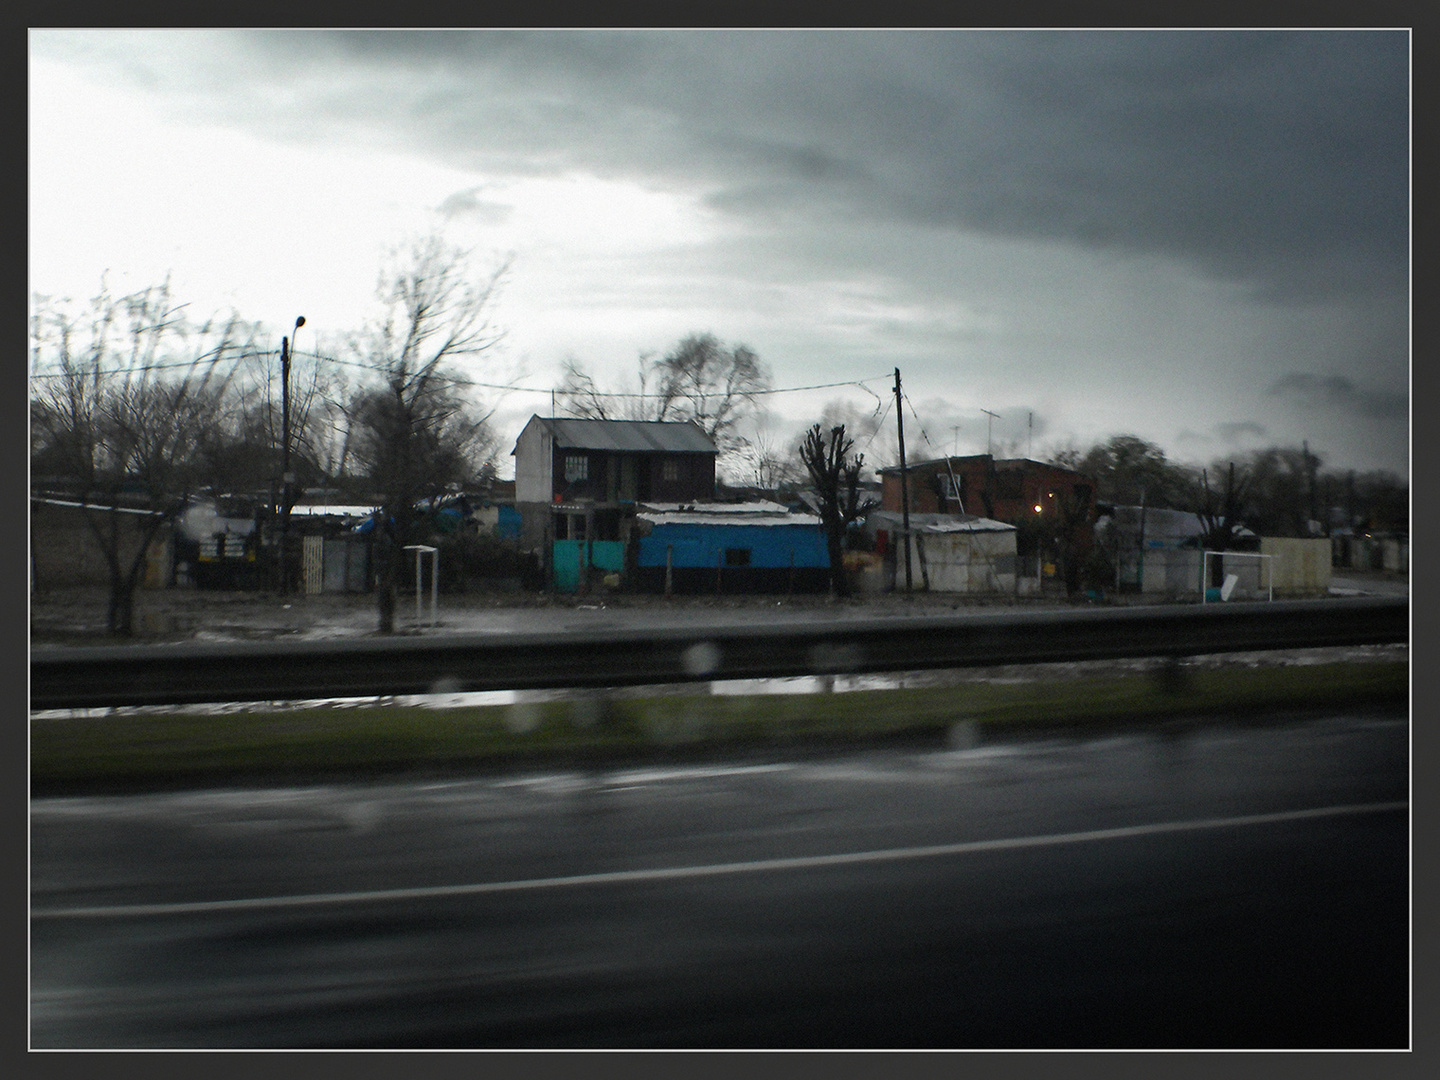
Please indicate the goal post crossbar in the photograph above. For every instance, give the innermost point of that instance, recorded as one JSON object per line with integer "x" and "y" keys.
{"x": 1266, "y": 570}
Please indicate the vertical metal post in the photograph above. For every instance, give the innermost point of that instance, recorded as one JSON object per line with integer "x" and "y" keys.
{"x": 1140, "y": 555}
{"x": 284, "y": 463}
{"x": 286, "y": 479}
{"x": 904, "y": 479}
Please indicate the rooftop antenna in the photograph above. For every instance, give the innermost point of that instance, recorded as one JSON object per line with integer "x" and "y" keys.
{"x": 990, "y": 427}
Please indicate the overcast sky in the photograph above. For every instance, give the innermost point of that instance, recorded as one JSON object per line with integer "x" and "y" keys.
{"x": 1198, "y": 237}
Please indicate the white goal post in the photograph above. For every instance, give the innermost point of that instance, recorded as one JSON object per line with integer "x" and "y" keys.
{"x": 422, "y": 550}
{"x": 1266, "y": 576}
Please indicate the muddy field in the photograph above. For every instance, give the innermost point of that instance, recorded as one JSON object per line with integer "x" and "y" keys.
{"x": 77, "y": 616}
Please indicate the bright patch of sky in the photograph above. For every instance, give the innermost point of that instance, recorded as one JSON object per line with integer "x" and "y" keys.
{"x": 1196, "y": 238}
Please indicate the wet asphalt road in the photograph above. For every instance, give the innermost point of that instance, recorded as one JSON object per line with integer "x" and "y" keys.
{"x": 1221, "y": 886}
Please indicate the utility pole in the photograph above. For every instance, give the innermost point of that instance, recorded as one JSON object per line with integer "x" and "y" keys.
{"x": 286, "y": 477}
{"x": 1310, "y": 488}
{"x": 904, "y": 480}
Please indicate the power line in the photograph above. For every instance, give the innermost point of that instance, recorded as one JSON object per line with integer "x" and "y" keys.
{"x": 621, "y": 394}
{"x": 879, "y": 423}
{"x": 381, "y": 370}
{"x": 915, "y": 414}
{"x": 86, "y": 372}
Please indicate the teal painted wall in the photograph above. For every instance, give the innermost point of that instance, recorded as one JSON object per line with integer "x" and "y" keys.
{"x": 607, "y": 555}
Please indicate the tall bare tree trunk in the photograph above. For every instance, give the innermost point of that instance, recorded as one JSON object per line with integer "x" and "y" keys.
{"x": 385, "y": 588}
{"x": 834, "y": 540}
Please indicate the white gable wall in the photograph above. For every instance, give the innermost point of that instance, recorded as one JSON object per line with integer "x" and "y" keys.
{"x": 534, "y": 470}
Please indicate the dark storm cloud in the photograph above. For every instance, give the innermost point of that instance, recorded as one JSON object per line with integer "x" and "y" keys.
{"x": 469, "y": 204}
{"x": 1274, "y": 159}
{"x": 1245, "y": 429}
{"x": 1339, "y": 393}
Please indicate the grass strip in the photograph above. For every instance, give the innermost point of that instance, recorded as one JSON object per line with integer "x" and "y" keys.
{"x": 163, "y": 749}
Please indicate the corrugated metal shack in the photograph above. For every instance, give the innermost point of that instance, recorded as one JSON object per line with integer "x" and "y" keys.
{"x": 954, "y": 553}
{"x": 755, "y": 547}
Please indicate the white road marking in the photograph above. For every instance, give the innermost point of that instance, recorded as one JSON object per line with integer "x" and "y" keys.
{"x": 798, "y": 862}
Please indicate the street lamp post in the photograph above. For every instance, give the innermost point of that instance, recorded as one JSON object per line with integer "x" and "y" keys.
{"x": 286, "y": 477}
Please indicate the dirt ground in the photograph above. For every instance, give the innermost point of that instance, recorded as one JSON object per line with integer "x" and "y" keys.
{"x": 77, "y": 616}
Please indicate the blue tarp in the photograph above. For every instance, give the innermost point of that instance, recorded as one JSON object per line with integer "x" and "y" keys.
{"x": 507, "y": 525}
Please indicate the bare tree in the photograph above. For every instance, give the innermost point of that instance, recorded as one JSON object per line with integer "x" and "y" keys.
{"x": 704, "y": 381}
{"x": 835, "y": 472}
{"x": 766, "y": 462}
{"x": 1125, "y": 466}
{"x": 864, "y": 425}
{"x": 416, "y": 433}
{"x": 242, "y": 450}
{"x": 701, "y": 379}
{"x": 1219, "y": 511}
{"x": 581, "y": 396}
{"x": 124, "y": 395}
{"x": 328, "y": 440}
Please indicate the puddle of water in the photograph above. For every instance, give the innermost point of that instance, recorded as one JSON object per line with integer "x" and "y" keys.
{"x": 809, "y": 684}
{"x": 445, "y": 698}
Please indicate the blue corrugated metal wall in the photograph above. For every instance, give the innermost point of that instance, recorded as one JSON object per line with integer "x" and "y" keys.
{"x": 703, "y": 546}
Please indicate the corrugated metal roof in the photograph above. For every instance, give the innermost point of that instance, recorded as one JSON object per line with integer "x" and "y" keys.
{"x": 941, "y": 523}
{"x": 751, "y": 513}
{"x": 979, "y": 524}
{"x": 759, "y": 507}
{"x": 353, "y": 510}
{"x": 631, "y": 435}
{"x": 698, "y": 517}
{"x": 92, "y": 506}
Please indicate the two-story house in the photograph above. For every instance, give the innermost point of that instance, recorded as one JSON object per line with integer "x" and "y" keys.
{"x": 1052, "y": 508}
{"x": 581, "y": 479}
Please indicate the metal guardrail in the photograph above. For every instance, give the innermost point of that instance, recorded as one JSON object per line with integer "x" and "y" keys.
{"x": 62, "y": 678}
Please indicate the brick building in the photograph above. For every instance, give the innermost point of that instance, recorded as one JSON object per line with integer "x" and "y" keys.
{"x": 1052, "y": 508}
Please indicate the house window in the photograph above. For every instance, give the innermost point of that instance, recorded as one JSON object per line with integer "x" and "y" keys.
{"x": 577, "y": 467}
{"x": 737, "y": 556}
{"x": 670, "y": 470}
